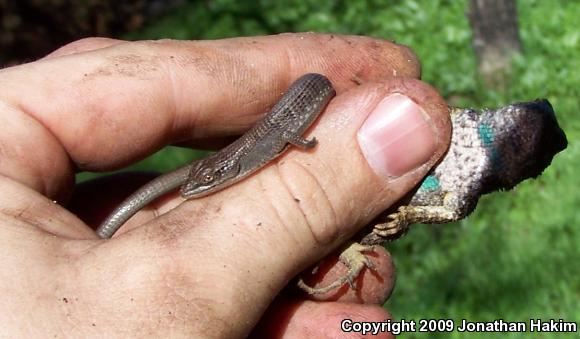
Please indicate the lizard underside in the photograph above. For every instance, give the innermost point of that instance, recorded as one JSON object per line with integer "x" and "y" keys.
{"x": 490, "y": 150}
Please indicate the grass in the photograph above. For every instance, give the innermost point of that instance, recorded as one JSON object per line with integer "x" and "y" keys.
{"x": 517, "y": 257}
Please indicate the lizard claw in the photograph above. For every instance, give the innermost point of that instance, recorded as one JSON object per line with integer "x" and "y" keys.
{"x": 354, "y": 260}
{"x": 396, "y": 225}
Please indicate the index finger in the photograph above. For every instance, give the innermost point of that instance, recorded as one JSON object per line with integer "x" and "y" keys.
{"x": 107, "y": 107}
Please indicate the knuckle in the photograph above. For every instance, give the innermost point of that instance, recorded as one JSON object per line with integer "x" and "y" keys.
{"x": 84, "y": 45}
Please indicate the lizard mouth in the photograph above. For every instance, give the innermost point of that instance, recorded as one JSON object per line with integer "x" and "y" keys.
{"x": 552, "y": 139}
{"x": 189, "y": 190}
{"x": 528, "y": 145}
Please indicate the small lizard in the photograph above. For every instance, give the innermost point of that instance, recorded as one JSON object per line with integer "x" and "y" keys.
{"x": 284, "y": 124}
{"x": 490, "y": 151}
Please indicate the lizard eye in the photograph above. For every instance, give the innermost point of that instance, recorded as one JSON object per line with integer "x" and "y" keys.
{"x": 207, "y": 178}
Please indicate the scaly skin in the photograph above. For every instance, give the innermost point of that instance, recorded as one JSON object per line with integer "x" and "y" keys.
{"x": 490, "y": 150}
{"x": 284, "y": 124}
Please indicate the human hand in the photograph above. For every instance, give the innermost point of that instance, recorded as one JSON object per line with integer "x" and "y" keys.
{"x": 210, "y": 267}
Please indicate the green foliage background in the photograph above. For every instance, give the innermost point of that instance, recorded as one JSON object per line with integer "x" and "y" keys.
{"x": 518, "y": 256}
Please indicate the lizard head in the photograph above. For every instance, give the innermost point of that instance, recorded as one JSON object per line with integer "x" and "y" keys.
{"x": 207, "y": 176}
{"x": 522, "y": 139}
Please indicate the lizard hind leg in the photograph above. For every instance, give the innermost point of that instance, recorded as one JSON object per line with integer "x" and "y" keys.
{"x": 353, "y": 258}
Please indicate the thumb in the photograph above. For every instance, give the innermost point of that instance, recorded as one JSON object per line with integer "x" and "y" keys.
{"x": 244, "y": 244}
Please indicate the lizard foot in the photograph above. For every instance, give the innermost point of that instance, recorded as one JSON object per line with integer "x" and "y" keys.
{"x": 353, "y": 258}
{"x": 397, "y": 225}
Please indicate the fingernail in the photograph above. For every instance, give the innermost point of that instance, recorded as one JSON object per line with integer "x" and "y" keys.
{"x": 397, "y": 137}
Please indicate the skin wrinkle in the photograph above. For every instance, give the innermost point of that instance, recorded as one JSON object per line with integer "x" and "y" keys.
{"x": 170, "y": 74}
{"x": 133, "y": 61}
{"x": 29, "y": 218}
{"x": 326, "y": 236}
{"x": 286, "y": 61}
{"x": 222, "y": 74}
{"x": 41, "y": 185}
{"x": 275, "y": 208}
{"x": 216, "y": 64}
{"x": 84, "y": 45}
{"x": 295, "y": 202}
{"x": 127, "y": 65}
{"x": 265, "y": 229}
{"x": 138, "y": 66}
{"x": 100, "y": 119}
{"x": 96, "y": 119}
{"x": 295, "y": 56}
{"x": 202, "y": 58}
{"x": 32, "y": 215}
{"x": 239, "y": 79}
{"x": 242, "y": 94}
{"x": 341, "y": 117}
{"x": 331, "y": 234}
{"x": 375, "y": 54}
{"x": 10, "y": 150}
{"x": 141, "y": 65}
{"x": 354, "y": 66}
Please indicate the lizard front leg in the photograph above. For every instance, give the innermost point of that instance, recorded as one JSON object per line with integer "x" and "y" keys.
{"x": 398, "y": 223}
